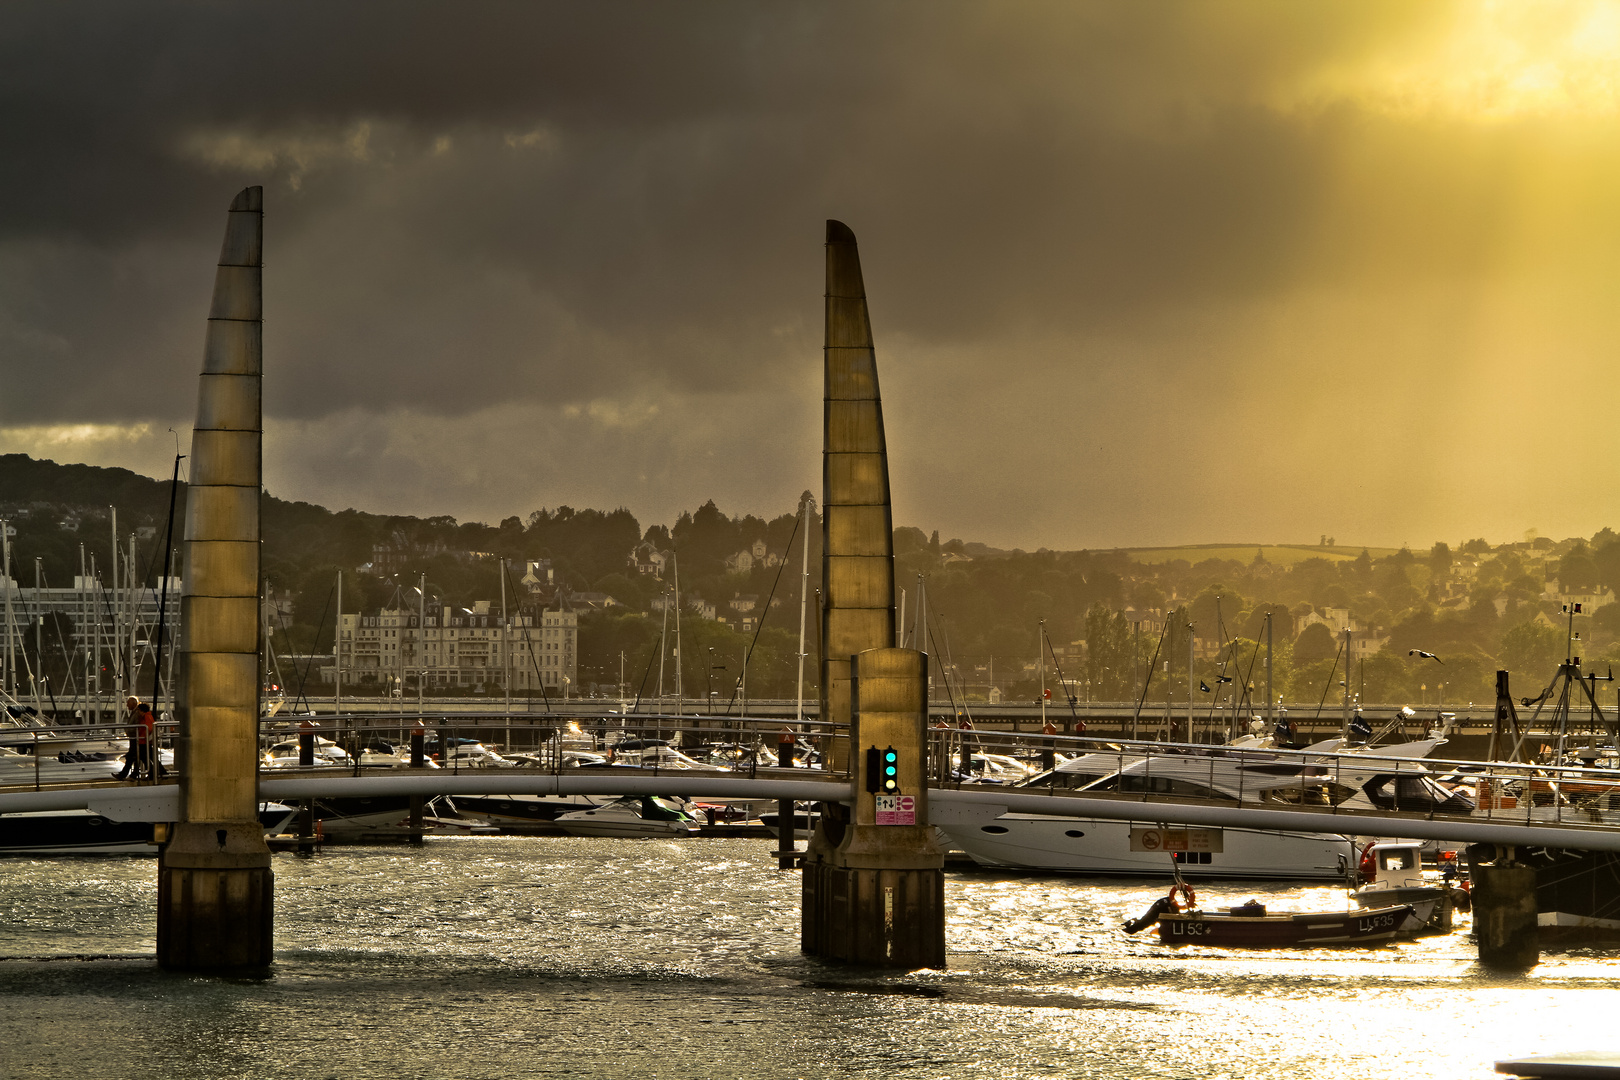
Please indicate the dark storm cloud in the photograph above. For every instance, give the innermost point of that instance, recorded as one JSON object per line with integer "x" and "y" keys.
{"x": 560, "y": 199}
{"x": 586, "y": 239}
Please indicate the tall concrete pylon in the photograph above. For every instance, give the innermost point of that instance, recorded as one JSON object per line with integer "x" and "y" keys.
{"x": 215, "y": 886}
{"x": 872, "y": 893}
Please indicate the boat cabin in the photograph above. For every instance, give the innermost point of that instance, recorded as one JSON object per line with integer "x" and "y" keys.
{"x": 1397, "y": 865}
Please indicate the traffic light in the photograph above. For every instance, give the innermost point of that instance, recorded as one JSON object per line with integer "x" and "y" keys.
{"x": 872, "y": 770}
{"x": 891, "y": 772}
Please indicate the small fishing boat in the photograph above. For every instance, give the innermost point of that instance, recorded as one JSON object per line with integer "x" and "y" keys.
{"x": 1251, "y": 926}
{"x": 1392, "y": 873}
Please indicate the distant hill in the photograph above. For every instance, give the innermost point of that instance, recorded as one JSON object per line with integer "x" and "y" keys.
{"x": 1276, "y": 554}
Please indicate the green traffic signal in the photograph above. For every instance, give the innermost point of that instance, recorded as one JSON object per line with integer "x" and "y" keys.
{"x": 891, "y": 771}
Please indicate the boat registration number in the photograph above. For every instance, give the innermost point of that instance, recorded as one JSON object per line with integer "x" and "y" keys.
{"x": 1375, "y": 923}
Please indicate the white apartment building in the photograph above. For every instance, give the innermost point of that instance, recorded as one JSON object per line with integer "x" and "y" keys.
{"x": 458, "y": 647}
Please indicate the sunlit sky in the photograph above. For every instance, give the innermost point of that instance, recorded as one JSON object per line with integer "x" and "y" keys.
{"x": 1139, "y": 274}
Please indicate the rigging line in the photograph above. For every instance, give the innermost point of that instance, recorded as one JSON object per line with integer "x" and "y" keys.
{"x": 1147, "y": 682}
{"x": 61, "y": 642}
{"x": 309, "y": 661}
{"x": 647, "y": 673}
{"x": 759, "y": 627}
{"x": 1249, "y": 674}
{"x": 528, "y": 643}
{"x": 1329, "y": 685}
{"x": 1070, "y": 697}
{"x": 950, "y": 662}
{"x": 928, "y": 631}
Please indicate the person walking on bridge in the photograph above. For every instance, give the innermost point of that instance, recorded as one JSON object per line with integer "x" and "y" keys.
{"x": 132, "y": 729}
{"x": 149, "y": 767}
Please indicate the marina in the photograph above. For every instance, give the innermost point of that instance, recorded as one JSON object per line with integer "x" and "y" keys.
{"x": 1162, "y": 812}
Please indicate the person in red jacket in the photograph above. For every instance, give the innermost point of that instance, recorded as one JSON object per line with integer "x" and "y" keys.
{"x": 149, "y": 766}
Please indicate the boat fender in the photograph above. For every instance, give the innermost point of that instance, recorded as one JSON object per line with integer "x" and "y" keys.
{"x": 1187, "y": 895}
{"x": 1150, "y": 916}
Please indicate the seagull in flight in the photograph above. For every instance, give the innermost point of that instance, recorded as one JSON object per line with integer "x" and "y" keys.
{"x": 1425, "y": 655}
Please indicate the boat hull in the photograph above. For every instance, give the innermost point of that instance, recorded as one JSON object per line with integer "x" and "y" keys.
{"x": 82, "y": 832}
{"x": 1093, "y": 846}
{"x": 1367, "y": 926}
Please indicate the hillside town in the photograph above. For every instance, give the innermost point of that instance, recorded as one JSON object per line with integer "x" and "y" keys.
{"x": 589, "y": 603}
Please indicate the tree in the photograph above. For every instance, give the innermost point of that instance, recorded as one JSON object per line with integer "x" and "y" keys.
{"x": 1533, "y": 650}
{"x": 1315, "y": 642}
{"x": 1440, "y": 560}
{"x": 1110, "y": 655}
{"x": 1577, "y": 571}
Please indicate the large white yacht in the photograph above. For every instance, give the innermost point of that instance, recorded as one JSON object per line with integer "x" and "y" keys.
{"x": 1323, "y": 775}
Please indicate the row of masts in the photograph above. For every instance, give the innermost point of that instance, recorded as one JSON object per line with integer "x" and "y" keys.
{"x": 110, "y": 636}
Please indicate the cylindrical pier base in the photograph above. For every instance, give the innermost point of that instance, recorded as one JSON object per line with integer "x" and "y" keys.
{"x": 215, "y": 892}
{"x": 785, "y": 832}
{"x": 1504, "y": 900}
{"x": 885, "y": 918}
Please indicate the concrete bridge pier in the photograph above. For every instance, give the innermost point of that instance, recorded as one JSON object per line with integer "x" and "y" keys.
{"x": 874, "y": 886}
{"x": 215, "y": 886}
{"x": 873, "y": 890}
{"x": 1504, "y": 899}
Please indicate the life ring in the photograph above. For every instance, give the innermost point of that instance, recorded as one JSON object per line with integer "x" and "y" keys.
{"x": 1187, "y": 894}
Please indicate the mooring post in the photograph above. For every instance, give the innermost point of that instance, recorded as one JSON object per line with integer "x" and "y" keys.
{"x": 215, "y": 886}
{"x": 1503, "y": 892}
{"x": 786, "y": 859}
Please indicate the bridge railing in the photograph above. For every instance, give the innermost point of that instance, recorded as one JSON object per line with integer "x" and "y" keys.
{"x": 457, "y": 741}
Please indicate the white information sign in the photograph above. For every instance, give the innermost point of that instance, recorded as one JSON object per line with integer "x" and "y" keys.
{"x": 896, "y": 809}
{"x": 1176, "y": 840}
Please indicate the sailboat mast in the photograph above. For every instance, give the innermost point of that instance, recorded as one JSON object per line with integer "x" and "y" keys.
{"x": 804, "y": 600}
{"x": 1191, "y": 643}
{"x": 1271, "y": 698}
{"x": 506, "y": 663}
{"x": 421, "y": 647}
{"x": 1040, "y": 659}
{"x": 1344, "y": 731}
{"x": 9, "y": 682}
{"x": 163, "y": 589}
{"x": 663, "y": 649}
{"x": 120, "y": 673}
{"x": 95, "y": 599}
{"x": 83, "y": 639}
{"x": 337, "y": 652}
{"x": 680, "y": 689}
{"x": 39, "y": 635}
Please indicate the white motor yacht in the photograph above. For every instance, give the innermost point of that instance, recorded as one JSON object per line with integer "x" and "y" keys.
{"x": 285, "y": 755}
{"x": 1316, "y": 776}
{"x": 638, "y": 816}
{"x": 60, "y": 768}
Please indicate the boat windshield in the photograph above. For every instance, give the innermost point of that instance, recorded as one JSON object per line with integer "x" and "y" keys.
{"x": 1403, "y": 792}
{"x": 1317, "y": 794}
{"x": 1161, "y": 785}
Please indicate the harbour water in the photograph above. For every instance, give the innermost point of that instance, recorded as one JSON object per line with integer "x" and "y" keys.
{"x": 570, "y": 957}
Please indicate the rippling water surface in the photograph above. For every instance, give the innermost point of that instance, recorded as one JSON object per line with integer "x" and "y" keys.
{"x": 552, "y": 957}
